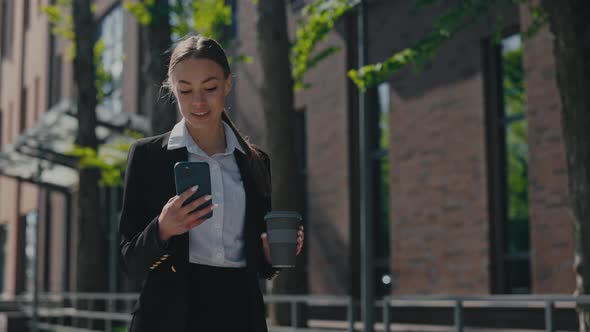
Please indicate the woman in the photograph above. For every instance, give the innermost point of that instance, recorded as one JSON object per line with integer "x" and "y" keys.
{"x": 198, "y": 274}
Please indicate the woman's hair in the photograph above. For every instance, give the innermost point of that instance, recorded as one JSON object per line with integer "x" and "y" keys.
{"x": 200, "y": 47}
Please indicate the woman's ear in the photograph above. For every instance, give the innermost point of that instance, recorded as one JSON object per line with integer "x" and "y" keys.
{"x": 228, "y": 85}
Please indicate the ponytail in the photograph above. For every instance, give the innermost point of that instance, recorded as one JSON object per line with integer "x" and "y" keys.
{"x": 257, "y": 161}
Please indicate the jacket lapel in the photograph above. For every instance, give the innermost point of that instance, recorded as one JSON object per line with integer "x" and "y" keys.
{"x": 171, "y": 158}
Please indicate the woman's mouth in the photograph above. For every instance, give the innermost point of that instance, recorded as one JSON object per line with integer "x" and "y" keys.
{"x": 200, "y": 114}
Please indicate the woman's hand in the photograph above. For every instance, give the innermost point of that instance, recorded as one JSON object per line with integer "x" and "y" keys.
{"x": 176, "y": 219}
{"x": 266, "y": 246}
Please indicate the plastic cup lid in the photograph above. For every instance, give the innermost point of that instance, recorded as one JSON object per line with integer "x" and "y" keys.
{"x": 283, "y": 214}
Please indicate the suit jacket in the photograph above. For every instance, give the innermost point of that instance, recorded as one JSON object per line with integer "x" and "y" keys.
{"x": 163, "y": 269}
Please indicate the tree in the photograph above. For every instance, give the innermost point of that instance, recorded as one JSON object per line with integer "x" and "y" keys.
{"x": 154, "y": 16}
{"x": 91, "y": 274}
{"x": 568, "y": 23}
{"x": 279, "y": 114}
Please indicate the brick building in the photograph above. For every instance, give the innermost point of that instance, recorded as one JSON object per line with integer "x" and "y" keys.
{"x": 471, "y": 189}
{"x": 453, "y": 218}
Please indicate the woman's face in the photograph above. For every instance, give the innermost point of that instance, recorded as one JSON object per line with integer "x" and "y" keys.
{"x": 200, "y": 88}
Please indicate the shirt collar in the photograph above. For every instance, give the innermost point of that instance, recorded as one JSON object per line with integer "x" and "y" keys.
{"x": 180, "y": 137}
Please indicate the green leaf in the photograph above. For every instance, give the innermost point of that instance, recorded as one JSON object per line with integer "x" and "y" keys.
{"x": 319, "y": 18}
{"x": 241, "y": 58}
{"x": 140, "y": 10}
{"x": 451, "y": 22}
{"x": 110, "y": 159}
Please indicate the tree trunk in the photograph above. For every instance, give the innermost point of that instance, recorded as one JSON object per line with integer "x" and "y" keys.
{"x": 156, "y": 40}
{"x": 279, "y": 113}
{"x": 91, "y": 263}
{"x": 569, "y": 24}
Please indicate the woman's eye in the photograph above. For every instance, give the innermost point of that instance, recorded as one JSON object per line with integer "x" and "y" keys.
{"x": 185, "y": 92}
{"x": 211, "y": 89}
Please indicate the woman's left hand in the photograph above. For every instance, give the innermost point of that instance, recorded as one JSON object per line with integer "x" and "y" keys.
{"x": 266, "y": 246}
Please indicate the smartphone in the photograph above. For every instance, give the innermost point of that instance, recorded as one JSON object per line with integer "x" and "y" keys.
{"x": 190, "y": 173}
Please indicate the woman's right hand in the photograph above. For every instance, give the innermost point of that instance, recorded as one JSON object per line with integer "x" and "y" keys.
{"x": 176, "y": 219}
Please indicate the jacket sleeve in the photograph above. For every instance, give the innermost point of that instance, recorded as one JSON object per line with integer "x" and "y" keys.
{"x": 142, "y": 250}
{"x": 267, "y": 271}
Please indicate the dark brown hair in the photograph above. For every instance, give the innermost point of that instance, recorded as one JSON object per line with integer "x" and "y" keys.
{"x": 200, "y": 47}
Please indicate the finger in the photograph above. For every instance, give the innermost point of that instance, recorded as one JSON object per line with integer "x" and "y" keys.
{"x": 193, "y": 205}
{"x": 180, "y": 199}
{"x": 196, "y": 218}
{"x": 201, "y": 212}
{"x": 301, "y": 235}
{"x": 299, "y": 247}
{"x": 195, "y": 223}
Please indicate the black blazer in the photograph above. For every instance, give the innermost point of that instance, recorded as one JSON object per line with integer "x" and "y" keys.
{"x": 163, "y": 270}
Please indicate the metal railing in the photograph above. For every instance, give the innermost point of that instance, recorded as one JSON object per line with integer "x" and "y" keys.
{"x": 315, "y": 300}
{"x": 81, "y": 309}
{"x": 459, "y": 303}
{"x": 59, "y": 311}
{"x": 85, "y": 308}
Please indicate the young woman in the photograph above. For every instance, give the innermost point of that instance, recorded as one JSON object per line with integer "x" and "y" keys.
{"x": 198, "y": 274}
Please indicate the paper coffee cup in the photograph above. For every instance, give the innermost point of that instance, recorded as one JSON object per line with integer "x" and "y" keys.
{"x": 282, "y": 227}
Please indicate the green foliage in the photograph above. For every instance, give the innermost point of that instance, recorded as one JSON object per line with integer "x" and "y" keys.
{"x": 110, "y": 159}
{"x": 446, "y": 27}
{"x": 207, "y": 17}
{"x": 210, "y": 17}
{"x": 513, "y": 82}
{"x": 318, "y": 20}
{"x": 540, "y": 18}
{"x": 241, "y": 58}
{"x": 516, "y": 150}
{"x": 140, "y": 10}
{"x": 60, "y": 16}
{"x": 104, "y": 78}
{"x": 181, "y": 21}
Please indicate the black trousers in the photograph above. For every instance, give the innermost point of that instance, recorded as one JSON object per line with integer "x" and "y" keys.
{"x": 219, "y": 300}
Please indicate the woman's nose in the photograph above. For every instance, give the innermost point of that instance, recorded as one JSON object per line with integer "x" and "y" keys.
{"x": 198, "y": 98}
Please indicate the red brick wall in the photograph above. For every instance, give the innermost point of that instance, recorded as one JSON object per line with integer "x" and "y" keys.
{"x": 438, "y": 201}
{"x": 552, "y": 241}
{"x": 439, "y": 230}
{"x": 328, "y": 174}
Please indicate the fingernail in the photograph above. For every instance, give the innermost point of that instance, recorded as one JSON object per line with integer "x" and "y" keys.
{"x": 214, "y": 206}
{"x": 194, "y": 188}
{"x": 208, "y": 197}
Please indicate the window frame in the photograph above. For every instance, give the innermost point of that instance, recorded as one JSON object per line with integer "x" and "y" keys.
{"x": 497, "y": 122}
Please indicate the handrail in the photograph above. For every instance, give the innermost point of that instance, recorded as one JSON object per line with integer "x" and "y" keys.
{"x": 458, "y": 303}
{"x": 56, "y": 304}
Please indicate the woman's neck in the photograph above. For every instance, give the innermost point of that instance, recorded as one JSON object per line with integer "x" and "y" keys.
{"x": 211, "y": 140}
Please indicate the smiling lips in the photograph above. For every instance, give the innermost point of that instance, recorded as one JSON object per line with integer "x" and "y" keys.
{"x": 200, "y": 113}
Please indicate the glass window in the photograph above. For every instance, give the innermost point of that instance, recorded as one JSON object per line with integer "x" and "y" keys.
{"x": 1, "y": 129}
{"x": 509, "y": 169}
{"x": 111, "y": 32}
{"x": 7, "y": 22}
{"x": 30, "y": 220}
{"x": 3, "y": 254}
{"x": 380, "y": 142}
